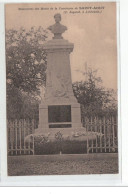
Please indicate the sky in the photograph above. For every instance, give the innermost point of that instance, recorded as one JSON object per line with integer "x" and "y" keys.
{"x": 93, "y": 34}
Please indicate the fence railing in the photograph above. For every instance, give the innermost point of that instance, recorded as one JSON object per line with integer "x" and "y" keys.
{"x": 107, "y": 134}
{"x": 17, "y": 131}
{"x": 105, "y": 128}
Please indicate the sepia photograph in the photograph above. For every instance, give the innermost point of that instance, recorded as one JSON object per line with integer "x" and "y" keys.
{"x": 61, "y": 88}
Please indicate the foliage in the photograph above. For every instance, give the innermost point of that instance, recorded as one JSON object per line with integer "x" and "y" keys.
{"x": 41, "y": 139}
{"x": 65, "y": 146}
{"x": 59, "y": 136}
{"x": 70, "y": 147}
{"x": 93, "y": 97}
{"x": 26, "y": 72}
{"x": 25, "y": 68}
{"x": 21, "y": 105}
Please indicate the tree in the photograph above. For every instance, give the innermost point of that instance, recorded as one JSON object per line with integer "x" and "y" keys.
{"x": 25, "y": 67}
{"x": 26, "y": 72}
{"x": 93, "y": 97}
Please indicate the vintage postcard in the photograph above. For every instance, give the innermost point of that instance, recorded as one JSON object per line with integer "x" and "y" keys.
{"x": 61, "y": 72}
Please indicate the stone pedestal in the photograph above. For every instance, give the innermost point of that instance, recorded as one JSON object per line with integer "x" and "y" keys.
{"x": 46, "y": 125}
{"x": 59, "y": 108}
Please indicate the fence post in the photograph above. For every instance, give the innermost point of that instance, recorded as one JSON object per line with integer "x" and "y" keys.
{"x": 113, "y": 133}
{"x": 24, "y": 127}
{"x": 109, "y": 132}
{"x": 104, "y": 127}
{"x": 100, "y": 126}
{"x": 33, "y": 145}
{"x": 86, "y": 125}
{"x": 95, "y": 123}
{"x": 15, "y": 124}
{"x": 20, "y": 128}
{"x": 28, "y": 129}
{"x": 11, "y": 136}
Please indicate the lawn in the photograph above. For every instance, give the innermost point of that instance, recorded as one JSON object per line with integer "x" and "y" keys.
{"x": 63, "y": 164}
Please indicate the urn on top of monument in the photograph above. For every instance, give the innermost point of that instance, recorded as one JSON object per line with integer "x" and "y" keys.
{"x": 57, "y": 29}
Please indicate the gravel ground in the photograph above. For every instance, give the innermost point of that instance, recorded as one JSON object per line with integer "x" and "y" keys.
{"x": 63, "y": 164}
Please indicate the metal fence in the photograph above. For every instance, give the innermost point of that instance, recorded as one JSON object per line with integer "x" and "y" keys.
{"x": 17, "y": 131}
{"x": 106, "y": 139}
{"x": 107, "y": 134}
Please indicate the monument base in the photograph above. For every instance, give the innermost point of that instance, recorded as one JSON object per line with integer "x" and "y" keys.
{"x": 78, "y": 134}
{"x": 53, "y": 116}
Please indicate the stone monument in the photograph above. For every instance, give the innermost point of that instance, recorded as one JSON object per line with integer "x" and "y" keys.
{"x": 59, "y": 108}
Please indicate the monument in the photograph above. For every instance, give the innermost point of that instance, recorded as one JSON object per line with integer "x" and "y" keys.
{"x": 59, "y": 108}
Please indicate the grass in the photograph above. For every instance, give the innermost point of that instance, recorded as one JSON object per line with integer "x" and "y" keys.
{"x": 63, "y": 164}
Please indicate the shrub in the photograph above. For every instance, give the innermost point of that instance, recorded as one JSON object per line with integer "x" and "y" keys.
{"x": 64, "y": 146}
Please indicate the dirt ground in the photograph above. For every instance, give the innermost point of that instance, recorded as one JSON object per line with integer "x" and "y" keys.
{"x": 63, "y": 164}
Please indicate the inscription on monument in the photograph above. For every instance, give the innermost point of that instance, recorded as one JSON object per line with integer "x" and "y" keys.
{"x": 59, "y": 116}
{"x": 59, "y": 113}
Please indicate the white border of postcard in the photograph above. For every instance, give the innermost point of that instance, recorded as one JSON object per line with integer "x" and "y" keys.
{"x": 70, "y": 180}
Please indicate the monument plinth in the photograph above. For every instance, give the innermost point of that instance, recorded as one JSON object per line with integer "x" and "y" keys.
{"x": 59, "y": 108}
